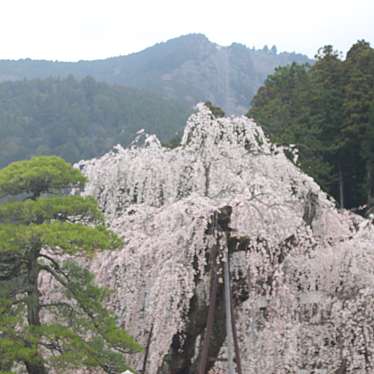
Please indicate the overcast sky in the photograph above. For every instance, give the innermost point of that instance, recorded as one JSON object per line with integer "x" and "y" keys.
{"x": 71, "y": 30}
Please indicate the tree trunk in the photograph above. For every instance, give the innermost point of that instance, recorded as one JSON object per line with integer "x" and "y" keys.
{"x": 36, "y": 365}
{"x": 341, "y": 186}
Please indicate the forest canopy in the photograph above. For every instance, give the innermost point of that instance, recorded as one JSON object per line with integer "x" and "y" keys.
{"x": 327, "y": 111}
{"x": 79, "y": 119}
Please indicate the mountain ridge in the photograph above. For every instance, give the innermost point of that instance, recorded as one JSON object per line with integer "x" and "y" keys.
{"x": 76, "y": 119}
{"x": 189, "y": 68}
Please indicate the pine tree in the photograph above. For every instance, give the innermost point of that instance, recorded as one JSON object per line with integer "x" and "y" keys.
{"x": 41, "y": 231}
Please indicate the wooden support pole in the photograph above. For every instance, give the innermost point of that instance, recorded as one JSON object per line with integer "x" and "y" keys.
{"x": 211, "y": 311}
{"x": 232, "y": 325}
{"x": 146, "y": 351}
{"x": 235, "y": 337}
{"x": 228, "y": 310}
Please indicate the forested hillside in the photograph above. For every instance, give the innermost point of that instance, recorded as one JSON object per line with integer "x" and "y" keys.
{"x": 189, "y": 69}
{"x": 327, "y": 111}
{"x": 78, "y": 119}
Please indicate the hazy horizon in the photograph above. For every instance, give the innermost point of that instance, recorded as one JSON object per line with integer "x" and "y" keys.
{"x": 88, "y": 30}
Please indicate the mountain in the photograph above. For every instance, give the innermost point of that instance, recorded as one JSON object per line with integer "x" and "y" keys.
{"x": 301, "y": 272}
{"x": 189, "y": 69}
{"x": 78, "y": 119}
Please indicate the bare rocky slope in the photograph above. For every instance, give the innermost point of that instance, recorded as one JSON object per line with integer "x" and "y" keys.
{"x": 301, "y": 272}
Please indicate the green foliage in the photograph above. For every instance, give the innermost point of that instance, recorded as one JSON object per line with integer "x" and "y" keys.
{"x": 49, "y": 208}
{"x": 357, "y": 125}
{"x": 33, "y": 236}
{"x": 325, "y": 110}
{"x": 40, "y": 174}
{"x": 216, "y": 111}
{"x": 281, "y": 107}
{"x": 69, "y": 237}
{"x": 12, "y": 347}
{"x": 79, "y": 119}
{"x": 82, "y": 311}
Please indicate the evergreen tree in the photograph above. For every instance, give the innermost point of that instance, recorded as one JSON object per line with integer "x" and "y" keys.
{"x": 282, "y": 107}
{"x": 368, "y": 154}
{"x": 40, "y": 234}
{"x": 78, "y": 119}
{"x": 327, "y": 111}
{"x": 326, "y": 103}
{"x": 216, "y": 111}
{"x": 358, "y": 101}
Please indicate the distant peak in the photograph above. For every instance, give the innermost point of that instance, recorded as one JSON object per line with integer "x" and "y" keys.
{"x": 195, "y": 36}
{"x": 190, "y": 39}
